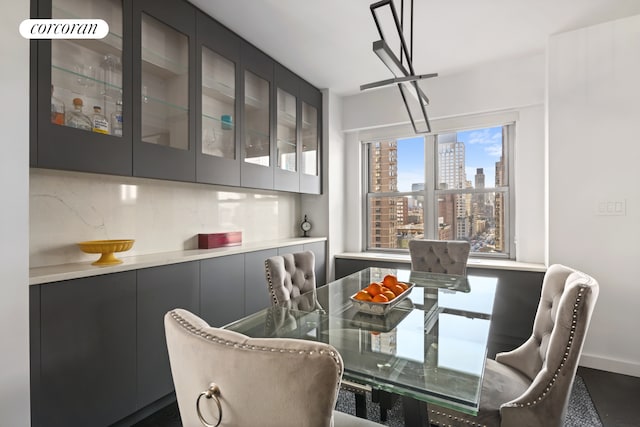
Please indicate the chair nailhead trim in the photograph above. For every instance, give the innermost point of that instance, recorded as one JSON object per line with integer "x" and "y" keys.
{"x": 547, "y": 389}
{"x": 209, "y": 337}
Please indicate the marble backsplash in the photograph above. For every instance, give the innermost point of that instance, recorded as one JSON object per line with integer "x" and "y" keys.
{"x": 162, "y": 216}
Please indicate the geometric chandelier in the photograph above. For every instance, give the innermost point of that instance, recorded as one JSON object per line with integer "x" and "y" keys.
{"x": 392, "y": 37}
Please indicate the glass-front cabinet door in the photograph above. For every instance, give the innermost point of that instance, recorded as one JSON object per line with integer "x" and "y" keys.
{"x": 84, "y": 103}
{"x": 311, "y": 125}
{"x": 257, "y": 76}
{"x": 286, "y": 175}
{"x": 217, "y": 136}
{"x": 164, "y": 89}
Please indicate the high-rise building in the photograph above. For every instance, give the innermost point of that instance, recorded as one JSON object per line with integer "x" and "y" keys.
{"x": 499, "y": 207}
{"x": 451, "y": 175}
{"x": 384, "y": 211}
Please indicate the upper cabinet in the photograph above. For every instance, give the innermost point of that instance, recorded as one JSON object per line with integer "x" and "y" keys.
{"x": 310, "y": 139}
{"x": 83, "y": 91}
{"x": 164, "y": 90}
{"x": 217, "y": 109}
{"x": 257, "y": 135}
{"x": 170, "y": 93}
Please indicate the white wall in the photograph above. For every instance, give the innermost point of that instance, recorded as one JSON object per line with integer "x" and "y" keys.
{"x": 514, "y": 86}
{"x": 594, "y": 151}
{"x": 162, "y": 216}
{"x": 14, "y": 218}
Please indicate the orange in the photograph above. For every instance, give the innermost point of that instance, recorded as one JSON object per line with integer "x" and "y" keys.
{"x": 397, "y": 289}
{"x": 390, "y": 295}
{"x": 363, "y": 296}
{"x": 380, "y": 298}
{"x": 403, "y": 285}
{"x": 374, "y": 288}
{"x": 389, "y": 280}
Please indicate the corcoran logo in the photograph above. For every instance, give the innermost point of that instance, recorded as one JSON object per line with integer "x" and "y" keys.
{"x": 64, "y": 29}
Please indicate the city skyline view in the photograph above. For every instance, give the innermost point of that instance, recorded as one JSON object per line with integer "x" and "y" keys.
{"x": 483, "y": 148}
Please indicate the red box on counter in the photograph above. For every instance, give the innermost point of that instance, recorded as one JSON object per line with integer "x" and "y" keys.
{"x": 217, "y": 240}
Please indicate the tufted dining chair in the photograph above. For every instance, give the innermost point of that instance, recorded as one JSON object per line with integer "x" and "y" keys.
{"x": 289, "y": 276}
{"x": 531, "y": 385}
{"x": 439, "y": 256}
{"x": 225, "y": 378}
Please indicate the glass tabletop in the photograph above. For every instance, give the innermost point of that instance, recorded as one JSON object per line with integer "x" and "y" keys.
{"x": 431, "y": 346}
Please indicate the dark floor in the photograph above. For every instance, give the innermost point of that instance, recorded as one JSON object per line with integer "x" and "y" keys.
{"x": 615, "y": 396}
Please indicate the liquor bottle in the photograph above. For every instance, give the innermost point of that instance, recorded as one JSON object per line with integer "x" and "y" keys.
{"x": 99, "y": 122}
{"x": 76, "y": 118}
{"x": 57, "y": 109}
{"x": 116, "y": 120}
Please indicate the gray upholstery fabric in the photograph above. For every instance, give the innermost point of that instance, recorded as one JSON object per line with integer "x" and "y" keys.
{"x": 265, "y": 382}
{"x": 530, "y": 386}
{"x": 290, "y": 275}
{"x": 439, "y": 256}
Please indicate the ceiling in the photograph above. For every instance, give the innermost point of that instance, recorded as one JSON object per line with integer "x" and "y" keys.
{"x": 328, "y": 42}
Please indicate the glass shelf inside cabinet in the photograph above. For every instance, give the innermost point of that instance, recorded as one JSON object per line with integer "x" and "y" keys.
{"x": 218, "y": 105}
{"x": 256, "y": 120}
{"x": 287, "y": 130}
{"x": 88, "y": 72}
{"x": 165, "y": 85}
{"x": 309, "y": 139}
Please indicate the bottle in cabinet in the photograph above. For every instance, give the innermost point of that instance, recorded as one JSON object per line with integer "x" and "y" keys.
{"x": 57, "y": 109}
{"x": 116, "y": 120}
{"x": 99, "y": 122}
{"x": 76, "y": 118}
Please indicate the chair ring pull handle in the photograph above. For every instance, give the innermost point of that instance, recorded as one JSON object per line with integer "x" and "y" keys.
{"x": 211, "y": 393}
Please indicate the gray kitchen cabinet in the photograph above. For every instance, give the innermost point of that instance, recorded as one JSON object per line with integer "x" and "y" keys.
{"x": 290, "y": 249}
{"x": 198, "y": 103}
{"x": 257, "y": 119}
{"x": 255, "y": 280}
{"x": 87, "y": 352}
{"x": 82, "y": 74}
{"x": 164, "y": 87}
{"x": 217, "y": 106}
{"x": 159, "y": 290}
{"x": 222, "y": 289}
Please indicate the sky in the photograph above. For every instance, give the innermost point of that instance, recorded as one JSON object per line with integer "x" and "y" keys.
{"x": 483, "y": 148}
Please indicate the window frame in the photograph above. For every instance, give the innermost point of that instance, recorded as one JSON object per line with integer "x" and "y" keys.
{"x": 431, "y": 193}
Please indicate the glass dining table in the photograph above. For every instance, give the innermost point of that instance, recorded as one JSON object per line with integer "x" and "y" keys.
{"x": 431, "y": 347}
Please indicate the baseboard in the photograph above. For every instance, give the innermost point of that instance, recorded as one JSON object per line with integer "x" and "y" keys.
{"x": 624, "y": 367}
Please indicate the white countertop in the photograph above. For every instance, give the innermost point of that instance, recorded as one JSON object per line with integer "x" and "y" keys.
{"x": 490, "y": 263}
{"x": 56, "y": 273}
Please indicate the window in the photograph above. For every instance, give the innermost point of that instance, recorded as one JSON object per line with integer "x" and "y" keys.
{"x": 449, "y": 186}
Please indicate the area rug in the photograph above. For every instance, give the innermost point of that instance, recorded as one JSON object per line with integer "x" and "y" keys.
{"x": 581, "y": 411}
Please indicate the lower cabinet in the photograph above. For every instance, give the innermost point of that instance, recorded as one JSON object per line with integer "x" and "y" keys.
{"x": 256, "y": 295}
{"x": 87, "y": 354}
{"x": 222, "y": 289}
{"x": 98, "y": 347}
{"x": 159, "y": 290}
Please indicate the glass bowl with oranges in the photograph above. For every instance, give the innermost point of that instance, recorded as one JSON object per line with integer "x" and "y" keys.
{"x": 380, "y": 297}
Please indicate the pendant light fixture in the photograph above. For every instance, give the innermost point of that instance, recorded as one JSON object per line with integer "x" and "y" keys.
{"x": 391, "y": 33}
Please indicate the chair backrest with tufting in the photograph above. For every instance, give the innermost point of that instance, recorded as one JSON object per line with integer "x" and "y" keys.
{"x": 439, "y": 256}
{"x": 550, "y": 356}
{"x": 290, "y": 275}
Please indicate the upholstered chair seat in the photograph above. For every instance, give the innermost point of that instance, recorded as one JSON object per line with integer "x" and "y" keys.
{"x": 439, "y": 256}
{"x": 267, "y": 382}
{"x": 530, "y": 386}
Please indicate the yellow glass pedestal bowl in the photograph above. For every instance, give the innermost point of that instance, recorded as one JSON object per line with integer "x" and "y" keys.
{"x": 107, "y": 248}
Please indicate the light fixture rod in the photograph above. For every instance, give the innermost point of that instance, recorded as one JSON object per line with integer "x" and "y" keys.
{"x": 389, "y": 82}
